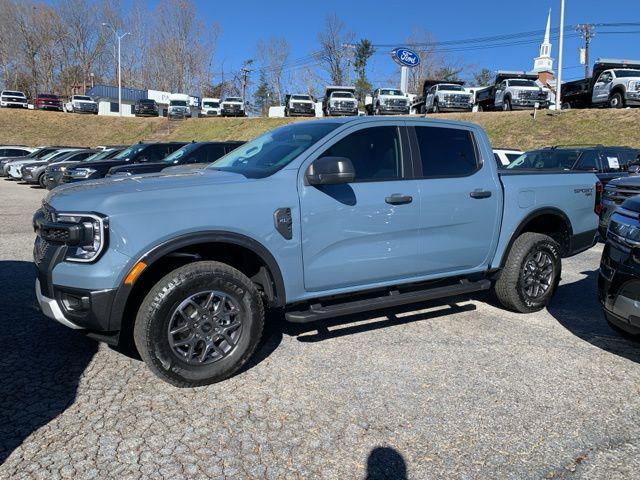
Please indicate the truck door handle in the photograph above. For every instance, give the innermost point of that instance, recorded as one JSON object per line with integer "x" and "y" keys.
{"x": 398, "y": 199}
{"x": 480, "y": 194}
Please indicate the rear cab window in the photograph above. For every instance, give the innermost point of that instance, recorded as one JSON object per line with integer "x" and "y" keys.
{"x": 446, "y": 152}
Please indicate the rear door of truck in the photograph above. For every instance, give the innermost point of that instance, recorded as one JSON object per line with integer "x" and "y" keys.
{"x": 460, "y": 196}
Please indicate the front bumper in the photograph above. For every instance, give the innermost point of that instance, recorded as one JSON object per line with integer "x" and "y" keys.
{"x": 14, "y": 104}
{"x": 619, "y": 287}
{"x": 232, "y": 113}
{"x": 527, "y": 103}
{"x": 29, "y": 176}
{"x": 343, "y": 111}
{"x": 394, "y": 109}
{"x": 632, "y": 98}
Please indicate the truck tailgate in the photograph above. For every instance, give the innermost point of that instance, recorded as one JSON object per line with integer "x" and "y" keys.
{"x": 530, "y": 193}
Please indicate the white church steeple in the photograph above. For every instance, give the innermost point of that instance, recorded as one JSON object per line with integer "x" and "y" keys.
{"x": 544, "y": 63}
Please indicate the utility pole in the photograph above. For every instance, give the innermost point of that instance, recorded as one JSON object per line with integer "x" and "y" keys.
{"x": 245, "y": 70}
{"x": 588, "y": 31}
{"x": 560, "y": 53}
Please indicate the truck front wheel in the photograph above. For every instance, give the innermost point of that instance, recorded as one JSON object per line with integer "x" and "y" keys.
{"x": 530, "y": 274}
{"x": 199, "y": 324}
{"x": 616, "y": 100}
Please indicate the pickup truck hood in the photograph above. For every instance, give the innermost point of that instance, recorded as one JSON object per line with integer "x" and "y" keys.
{"x": 121, "y": 192}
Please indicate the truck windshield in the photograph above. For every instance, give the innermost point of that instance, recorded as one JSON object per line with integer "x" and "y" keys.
{"x": 454, "y": 88}
{"x": 211, "y": 104}
{"x": 626, "y": 73}
{"x": 272, "y": 151}
{"x": 46, "y": 95}
{"x": 545, "y": 160}
{"x": 178, "y": 103}
{"x": 342, "y": 95}
{"x": 181, "y": 152}
{"x": 13, "y": 94}
{"x": 82, "y": 97}
{"x": 301, "y": 97}
{"x": 128, "y": 152}
{"x": 522, "y": 83}
{"x": 233, "y": 99}
{"x": 395, "y": 93}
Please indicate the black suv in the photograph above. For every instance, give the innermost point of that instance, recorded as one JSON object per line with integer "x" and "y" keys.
{"x": 195, "y": 152}
{"x": 145, "y": 108}
{"x": 606, "y": 162}
{"x": 619, "y": 279}
{"x": 138, "y": 153}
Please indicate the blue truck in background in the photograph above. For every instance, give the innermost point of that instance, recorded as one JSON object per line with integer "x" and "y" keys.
{"x": 320, "y": 219}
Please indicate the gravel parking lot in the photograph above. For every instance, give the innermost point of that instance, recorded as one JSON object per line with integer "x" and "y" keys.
{"x": 451, "y": 391}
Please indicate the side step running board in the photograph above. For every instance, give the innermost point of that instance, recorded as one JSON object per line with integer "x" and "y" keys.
{"x": 392, "y": 298}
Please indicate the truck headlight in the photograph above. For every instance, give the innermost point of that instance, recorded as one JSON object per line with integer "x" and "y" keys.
{"x": 82, "y": 172}
{"x": 89, "y": 235}
{"x": 634, "y": 85}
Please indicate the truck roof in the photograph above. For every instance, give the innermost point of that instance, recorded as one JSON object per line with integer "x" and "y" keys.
{"x": 603, "y": 64}
{"x": 431, "y": 82}
{"x": 508, "y": 74}
{"x": 374, "y": 119}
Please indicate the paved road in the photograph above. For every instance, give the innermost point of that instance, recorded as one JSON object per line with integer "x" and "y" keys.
{"x": 468, "y": 391}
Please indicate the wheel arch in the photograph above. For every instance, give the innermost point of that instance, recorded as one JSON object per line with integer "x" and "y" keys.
{"x": 239, "y": 251}
{"x": 549, "y": 221}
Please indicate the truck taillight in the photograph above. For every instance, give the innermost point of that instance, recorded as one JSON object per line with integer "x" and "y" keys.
{"x": 598, "y": 202}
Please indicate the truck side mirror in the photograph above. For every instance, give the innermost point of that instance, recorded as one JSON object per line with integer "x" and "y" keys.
{"x": 330, "y": 171}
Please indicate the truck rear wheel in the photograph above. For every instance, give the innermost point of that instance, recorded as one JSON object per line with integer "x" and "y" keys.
{"x": 199, "y": 324}
{"x": 530, "y": 274}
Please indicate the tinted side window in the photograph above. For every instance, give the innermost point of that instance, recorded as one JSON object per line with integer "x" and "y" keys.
{"x": 588, "y": 161}
{"x": 153, "y": 153}
{"x": 212, "y": 153}
{"x": 446, "y": 152}
{"x": 14, "y": 152}
{"x": 374, "y": 152}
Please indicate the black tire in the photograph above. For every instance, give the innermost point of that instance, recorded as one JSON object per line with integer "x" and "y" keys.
{"x": 41, "y": 181}
{"x": 377, "y": 110}
{"x": 480, "y": 108}
{"x": 511, "y": 287}
{"x": 506, "y": 105}
{"x": 616, "y": 100}
{"x": 159, "y": 308}
{"x": 566, "y": 106}
{"x": 436, "y": 108}
{"x": 423, "y": 110}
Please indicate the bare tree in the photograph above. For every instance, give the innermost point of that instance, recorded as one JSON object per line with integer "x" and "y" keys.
{"x": 333, "y": 52}
{"x": 430, "y": 61}
{"x": 272, "y": 55}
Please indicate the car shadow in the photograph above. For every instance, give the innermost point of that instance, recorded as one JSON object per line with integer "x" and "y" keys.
{"x": 386, "y": 463}
{"x": 575, "y": 306}
{"x": 41, "y": 362}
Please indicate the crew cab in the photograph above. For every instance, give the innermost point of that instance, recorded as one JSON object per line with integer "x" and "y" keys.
{"x": 448, "y": 97}
{"x": 339, "y": 100}
{"x": 138, "y": 153}
{"x": 299, "y": 105}
{"x": 13, "y": 98}
{"x": 48, "y": 101}
{"x": 201, "y": 153}
{"x": 387, "y": 101}
{"x": 513, "y": 91}
{"x": 81, "y": 104}
{"x": 318, "y": 219}
{"x": 233, "y": 107}
{"x": 614, "y": 83}
{"x": 210, "y": 107}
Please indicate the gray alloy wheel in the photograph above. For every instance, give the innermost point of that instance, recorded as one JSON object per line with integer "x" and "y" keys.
{"x": 616, "y": 100}
{"x": 537, "y": 274}
{"x": 205, "y": 327}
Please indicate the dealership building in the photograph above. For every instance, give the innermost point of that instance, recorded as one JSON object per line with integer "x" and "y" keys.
{"x": 106, "y": 96}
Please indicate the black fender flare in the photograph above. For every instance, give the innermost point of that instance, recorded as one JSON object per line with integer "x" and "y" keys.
{"x": 532, "y": 216}
{"x": 176, "y": 243}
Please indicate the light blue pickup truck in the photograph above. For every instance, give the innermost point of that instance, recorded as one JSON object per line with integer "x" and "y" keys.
{"x": 319, "y": 219}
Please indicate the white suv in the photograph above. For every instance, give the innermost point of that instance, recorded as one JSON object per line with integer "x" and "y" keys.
{"x": 13, "y": 98}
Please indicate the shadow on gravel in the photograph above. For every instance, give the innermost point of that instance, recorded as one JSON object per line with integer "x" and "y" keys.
{"x": 576, "y": 307}
{"x": 385, "y": 463}
{"x": 41, "y": 361}
{"x": 392, "y": 319}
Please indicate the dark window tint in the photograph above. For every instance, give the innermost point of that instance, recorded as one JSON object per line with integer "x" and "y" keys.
{"x": 12, "y": 152}
{"x": 446, "y": 152}
{"x": 81, "y": 156}
{"x": 588, "y": 161}
{"x": 374, "y": 152}
{"x": 113, "y": 107}
{"x": 213, "y": 152}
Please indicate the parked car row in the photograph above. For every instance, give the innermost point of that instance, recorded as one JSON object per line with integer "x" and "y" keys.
{"x": 53, "y": 166}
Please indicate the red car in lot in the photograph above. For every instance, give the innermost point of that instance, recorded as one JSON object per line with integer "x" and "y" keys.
{"x": 48, "y": 101}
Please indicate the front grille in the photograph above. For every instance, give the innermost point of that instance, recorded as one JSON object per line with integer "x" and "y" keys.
{"x": 620, "y": 193}
{"x": 533, "y": 95}
{"x": 396, "y": 102}
{"x": 345, "y": 105}
{"x": 302, "y": 106}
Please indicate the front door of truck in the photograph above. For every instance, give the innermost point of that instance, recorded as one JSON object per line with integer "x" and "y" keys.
{"x": 602, "y": 87}
{"x": 460, "y": 200}
{"x": 367, "y": 231}
{"x": 500, "y": 89}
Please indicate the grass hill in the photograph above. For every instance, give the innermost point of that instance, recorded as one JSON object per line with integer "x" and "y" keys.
{"x": 512, "y": 129}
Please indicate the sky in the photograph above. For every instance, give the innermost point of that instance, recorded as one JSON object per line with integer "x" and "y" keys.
{"x": 244, "y": 22}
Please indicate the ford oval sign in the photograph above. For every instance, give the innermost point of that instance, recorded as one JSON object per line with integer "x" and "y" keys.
{"x": 405, "y": 57}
